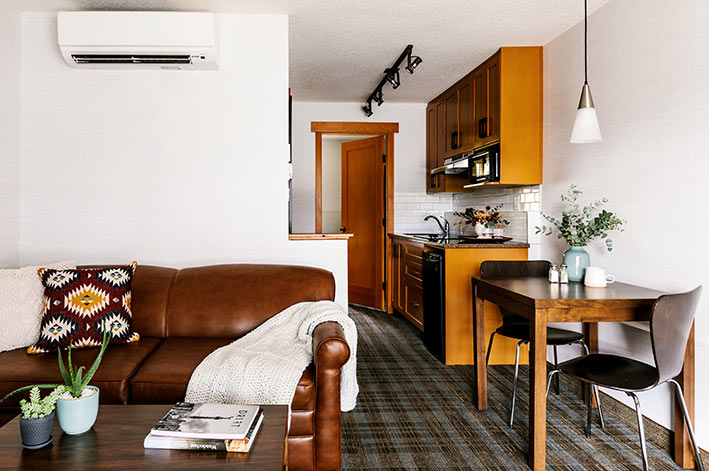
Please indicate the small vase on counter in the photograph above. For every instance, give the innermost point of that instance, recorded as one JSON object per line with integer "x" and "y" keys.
{"x": 576, "y": 259}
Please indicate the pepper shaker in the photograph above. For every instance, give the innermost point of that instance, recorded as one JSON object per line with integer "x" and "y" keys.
{"x": 564, "y": 274}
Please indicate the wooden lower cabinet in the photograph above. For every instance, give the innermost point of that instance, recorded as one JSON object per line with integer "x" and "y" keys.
{"x": 407, "y": 279}
{"x": 406, "y": 276}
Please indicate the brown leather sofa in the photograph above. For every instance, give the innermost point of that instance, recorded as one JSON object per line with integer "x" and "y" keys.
{"x": 183, "y": 315}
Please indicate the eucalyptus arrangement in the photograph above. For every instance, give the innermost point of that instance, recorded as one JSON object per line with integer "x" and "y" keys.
{"x": 488, "y": 217}
{"x": 578, "y": 226}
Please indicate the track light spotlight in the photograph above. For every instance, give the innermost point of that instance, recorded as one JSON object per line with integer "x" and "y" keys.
{"x": 367, "y": 108}
{"x": 393, "y": 78}
{"x": 378, "y": 96}
{"x": 413, "y": 62}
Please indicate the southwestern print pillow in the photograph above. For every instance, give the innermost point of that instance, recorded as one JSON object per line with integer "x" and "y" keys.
{"x": 79, "y": 303}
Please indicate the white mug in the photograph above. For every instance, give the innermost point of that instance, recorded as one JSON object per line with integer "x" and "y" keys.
{"x": 596, "y": 277}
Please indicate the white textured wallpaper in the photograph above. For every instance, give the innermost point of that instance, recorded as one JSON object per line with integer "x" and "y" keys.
{"x": 645, "y": 63}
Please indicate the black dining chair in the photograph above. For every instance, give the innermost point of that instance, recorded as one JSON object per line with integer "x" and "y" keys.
{"x": 517, "y": 327}
{"x": 670, "y": 324}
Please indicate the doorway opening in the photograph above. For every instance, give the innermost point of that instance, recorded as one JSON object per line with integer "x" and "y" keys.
{"x": 354, "y": 193}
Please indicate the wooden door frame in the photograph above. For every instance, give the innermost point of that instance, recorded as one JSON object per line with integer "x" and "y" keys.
{"x": 340, "y": 127}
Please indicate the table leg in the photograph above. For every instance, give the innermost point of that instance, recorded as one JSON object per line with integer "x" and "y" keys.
{"x": 684, "y": 454}
{"x": 590, "y": 336}
{"x": 537, "y": 390}
{"x": 479, "y": 350}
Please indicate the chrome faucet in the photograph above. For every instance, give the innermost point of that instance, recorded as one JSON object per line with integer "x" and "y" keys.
{"x": 445, "y": 228}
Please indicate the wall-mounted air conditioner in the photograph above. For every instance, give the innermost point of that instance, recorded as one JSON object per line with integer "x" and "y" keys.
{"x": 138, "y": 40}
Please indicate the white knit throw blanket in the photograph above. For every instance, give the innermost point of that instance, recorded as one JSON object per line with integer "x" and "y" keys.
{"x": 264, "y": 366}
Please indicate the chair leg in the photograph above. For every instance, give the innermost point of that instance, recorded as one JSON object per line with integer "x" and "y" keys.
{"x": 514, "y": 383}
{"x": 697, "y": 457}
{"x": 489, "y": 347}
{"x": 598, "y": 403}
{"x": 589, "y": 411}
{"x": 641, "y": 429}
{"x": 556, "y": 367}
{"x": 549, "y": 379}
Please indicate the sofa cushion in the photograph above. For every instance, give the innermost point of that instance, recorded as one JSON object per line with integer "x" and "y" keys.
{"x": 119, "y": 363}
{"x": 79, "y": 305}
{"x": 232, "y": 300}
{"x": 164, "y": 376}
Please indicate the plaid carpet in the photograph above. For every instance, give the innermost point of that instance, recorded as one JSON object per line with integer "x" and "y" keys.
{"x": 413, "y": 412}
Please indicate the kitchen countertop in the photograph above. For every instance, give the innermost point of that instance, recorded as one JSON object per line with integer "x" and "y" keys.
{"x": 459, "y": 244}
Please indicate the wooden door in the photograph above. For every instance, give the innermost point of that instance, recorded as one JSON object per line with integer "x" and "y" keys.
{"x": 363, "y": 179}
{"x": 450, "y": 143}
{"x": 466, "y": 114}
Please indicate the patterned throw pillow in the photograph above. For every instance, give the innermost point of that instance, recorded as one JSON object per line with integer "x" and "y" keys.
{"x": 79, "y": 303}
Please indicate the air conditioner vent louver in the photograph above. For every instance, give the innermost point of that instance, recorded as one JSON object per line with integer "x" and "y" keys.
{"x": 131, "y": 58}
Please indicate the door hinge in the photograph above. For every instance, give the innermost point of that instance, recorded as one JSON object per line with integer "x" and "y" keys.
{"x": 384, "y": 222}
{"x": 384, "y": 285}
{"x": 384, "y": 158}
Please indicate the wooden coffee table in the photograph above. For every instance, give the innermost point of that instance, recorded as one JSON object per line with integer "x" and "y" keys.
{"x": 116, "y": 443}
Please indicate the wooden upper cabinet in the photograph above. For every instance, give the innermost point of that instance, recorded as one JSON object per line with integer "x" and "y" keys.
{"x": 440, "y": 134}
{"x": 431, "y": 148}
{"x": 466, "y": 114}
{"x": 499, "y": 101}
{"x": 450, "y": 100}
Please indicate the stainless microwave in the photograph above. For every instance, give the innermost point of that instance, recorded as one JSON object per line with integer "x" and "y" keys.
{"x": 484, "y": 165}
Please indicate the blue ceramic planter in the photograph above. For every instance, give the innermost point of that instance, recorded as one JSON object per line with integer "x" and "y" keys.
{"x": 78, "y": 415}
{"x": 577, "y": 259}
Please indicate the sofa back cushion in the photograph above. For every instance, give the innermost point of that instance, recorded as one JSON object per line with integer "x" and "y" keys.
{"x": 150, "y": 290}
{"x": 231, "y": 300}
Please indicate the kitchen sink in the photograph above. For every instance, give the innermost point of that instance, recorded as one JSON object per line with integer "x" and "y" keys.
{"x": 425, "y": 235}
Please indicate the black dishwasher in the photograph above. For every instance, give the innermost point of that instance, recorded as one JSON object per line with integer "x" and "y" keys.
{"x": 434, "y": 303}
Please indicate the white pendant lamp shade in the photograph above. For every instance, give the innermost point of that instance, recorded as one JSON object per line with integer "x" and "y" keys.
{"x": 586, "y": 129}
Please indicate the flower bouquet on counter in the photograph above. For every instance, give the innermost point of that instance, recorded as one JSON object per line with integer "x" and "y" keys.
{"x": 488, "y": 217}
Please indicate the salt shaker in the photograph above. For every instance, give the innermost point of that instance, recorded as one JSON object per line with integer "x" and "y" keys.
{"x": 564, "y": 274}
{"x": 554, "y": 274}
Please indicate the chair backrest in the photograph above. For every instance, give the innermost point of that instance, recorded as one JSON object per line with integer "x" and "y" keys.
{"x": 670, "y": 324}
{"x": 502, "y": 268}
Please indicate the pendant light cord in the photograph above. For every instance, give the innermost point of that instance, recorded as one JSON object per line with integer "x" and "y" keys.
{"x": 585, "y": 42}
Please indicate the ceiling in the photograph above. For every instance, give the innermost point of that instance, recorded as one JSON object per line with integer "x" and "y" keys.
{"x": 339, "y": 49}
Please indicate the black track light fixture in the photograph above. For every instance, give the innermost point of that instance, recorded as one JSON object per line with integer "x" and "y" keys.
{"x": 393, "y": 77}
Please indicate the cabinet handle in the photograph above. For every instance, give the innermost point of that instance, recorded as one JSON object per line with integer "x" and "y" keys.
{"x": 433, "y": 181}
{"x": 414, "y": 304}
{"x": 482, "y": 127}
{"x": 415, "y": 273}
{"x": 396, "y": 249}
{"x": 454, "y": 140}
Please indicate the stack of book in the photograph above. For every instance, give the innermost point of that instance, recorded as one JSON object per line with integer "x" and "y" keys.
{"x": 208, "y": 427}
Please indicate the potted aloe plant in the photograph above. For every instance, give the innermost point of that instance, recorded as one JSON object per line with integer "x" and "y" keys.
{"x": 578, "y": 227}
{"x": 76, "y": 401}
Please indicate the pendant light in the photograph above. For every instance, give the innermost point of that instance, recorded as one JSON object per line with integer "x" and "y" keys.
{"x": 586, "y": 129}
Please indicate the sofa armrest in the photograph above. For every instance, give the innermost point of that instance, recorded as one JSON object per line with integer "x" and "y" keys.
{"x": 330, "y": 353}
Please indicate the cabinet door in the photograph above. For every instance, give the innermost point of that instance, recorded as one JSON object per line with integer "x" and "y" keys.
{"x": 395, "y": 275}
{"x": 450, "y": 101}
{"x": 493, "y": 90}
{"x": 466, "y": 114}
{"x": 480, "y": 105}
{"x": 431, "y": 148}
{"x": 440, "y": 134}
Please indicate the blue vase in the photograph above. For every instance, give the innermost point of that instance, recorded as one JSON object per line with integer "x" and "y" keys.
{"x": 77, "y": 416}
{"x": 577, "y": 259}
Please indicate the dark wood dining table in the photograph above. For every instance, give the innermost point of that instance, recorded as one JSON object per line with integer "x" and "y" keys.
{"x": 543, "y": 302}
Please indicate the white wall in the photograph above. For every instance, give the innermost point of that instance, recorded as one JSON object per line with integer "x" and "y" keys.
{"x": 644, "y": 71}
{"x": 10, "y": 89}
{"x": 167, "y": 168}
{"x": 409, "y": 149}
